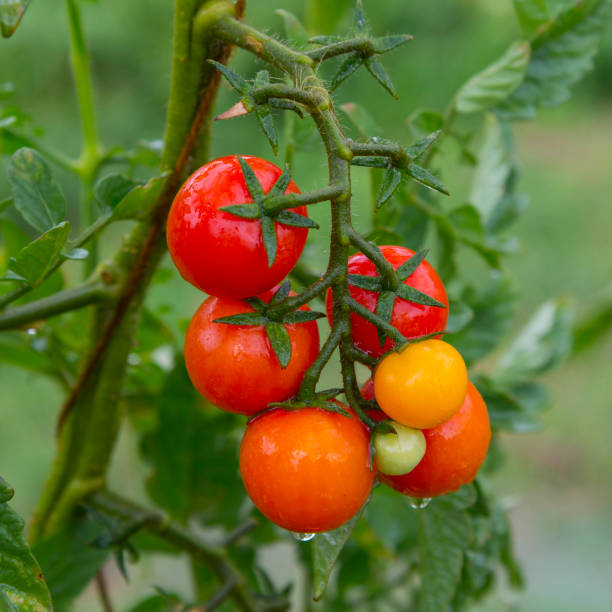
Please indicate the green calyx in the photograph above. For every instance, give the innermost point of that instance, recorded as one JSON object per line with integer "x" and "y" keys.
{"x": 322, "y": 399}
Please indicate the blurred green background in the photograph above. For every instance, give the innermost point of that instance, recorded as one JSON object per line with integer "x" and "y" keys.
{"x": 557, "y": 482}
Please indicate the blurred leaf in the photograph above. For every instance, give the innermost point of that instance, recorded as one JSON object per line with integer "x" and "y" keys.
{"x": 35, "y": 260}
{"x": 544, "y": 343}
{"x": 595, "y": 322}
{"x": 323, "y": 16}
{"x": 492, "y": 306}
{"x": 423, "y": 122}
{"x": 496, "y": 82}
{"x": 327, "y": 547}
{"x": 294, "y": 30}
{"x": 152, "y": 332}
{"x": 140, "y": 201}
{"x": 70, "y": 561}
{"x": 193, "y": 454}
{"x": 562, "y": 53}
{"x": 11, "y": 13}
{"x": 16, "y": 349}
{"x": 531, "y": 14}
{"x": 459, "y": 315}
{"x": 6, "y": 90}
{"x": 362, "y": 119}
{"x": 36, "y": 194}
{"x": 22, "y": 586}
{"x": 444, "y": 535}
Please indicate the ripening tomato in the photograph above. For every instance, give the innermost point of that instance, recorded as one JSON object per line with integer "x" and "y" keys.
{"x": 423, "y": 385}
{"x": 234, "y": 366}
{"x": 306, "y": 470}
{"x": 411, "y": 319}
{"x": 218, "y": 252}
{"x": 455, "y": 450}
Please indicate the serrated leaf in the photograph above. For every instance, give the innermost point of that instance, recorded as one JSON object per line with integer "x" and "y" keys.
{"x": 361, "y": 119}
{"x": 444, "y": 535}
{"x": 281, "y": 293}
{"x": 423, "y": 176}
{"x": 36, "y": 259}
{"x": 235, "y": 80}
{"x": 352, "y": 63}
{"x": 544, "y": 343}
{"x": 369, "y": 283}
{"x": 531, "y": 14}
{"x": 281, "y": 184}
{"x": 562, "y": 53}
{"x": 384, "y": 309}
{"x": 302, "y": 316}
{"x": 391, "y": 181}
{"x": 36, "y": 194}
{"x": 11, "y": 14}
{"x": 263, "y": 112}
{"x": 140, "y": 202}
{"x": 110, "y": 190}
{"x": 383, "y": 44}
{"x": 294, "y": 30}
{"x": 375, "y": 68}
{"x": 22, "y": 586}
{"x": 252, "y": 182}
{"x": 406, "y": 292}
{"x": 244, "y": 211}
{"x": 280, "y": 342}
{"x": 243, "y": 318}
{"x": 268, "y": 232}
{"x": 326, "y": 550}
{"x": 288, "y": 217}
{"x": 496, "y": 82}
{"x": 410, "y": 265}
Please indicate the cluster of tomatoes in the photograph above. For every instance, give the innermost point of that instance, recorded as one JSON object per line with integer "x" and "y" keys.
{"x": 309, "y": 469}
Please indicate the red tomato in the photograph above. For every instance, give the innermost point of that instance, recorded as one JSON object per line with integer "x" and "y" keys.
{"x": 410, "y": 319}
{"x": 218, "y": 252}
{"x": 234, "y": 366}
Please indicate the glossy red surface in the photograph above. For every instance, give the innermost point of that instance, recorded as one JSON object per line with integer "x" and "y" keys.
{"x": 234, "y": 366}
{"x": 306, "y": 470}
{"x": 409, "y": 318}
{"x": 218, "y": 252}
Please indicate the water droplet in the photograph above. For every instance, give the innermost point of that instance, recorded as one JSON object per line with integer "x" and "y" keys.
{"x": 303, "y": 537}
{"x": 31, "y": 331}
{"x": 418, "y": 503}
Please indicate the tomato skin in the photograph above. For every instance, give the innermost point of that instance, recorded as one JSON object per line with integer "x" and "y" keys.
{"x": 234, "y": 366}
{"x": 423, "y": 385}
{"x": 306, "y": 470}
{"x": 218, "y": 252}
{"x": 455, "y": 450}
{"x": 411, "y": 319}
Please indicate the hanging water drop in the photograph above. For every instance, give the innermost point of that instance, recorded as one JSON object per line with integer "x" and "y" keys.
{"x": 303, "y": 537}
{"x": 418, "y": 503}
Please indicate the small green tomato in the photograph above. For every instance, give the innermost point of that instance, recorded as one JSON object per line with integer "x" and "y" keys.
{"x": 398, "y": 453}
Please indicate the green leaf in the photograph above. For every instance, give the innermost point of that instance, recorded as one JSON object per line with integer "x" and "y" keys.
{"x": 4, "y": 204}
{"x": 423, "y": 176}
{"x": 388, "y": 186}
{"x": 281, "y": 293}
{"x": 444, "y": 535}
{"x": 11, "y": 13}
{"x": 352, "y": 62}
{"x": 244, "y": 211}
{"x": 110, "y": 190}
{"x": 294, "y": 30}
{"x": 140, "y": 202}
{"x": 179, "y": 483}
{"x": 243, "y": 318}
{"x": 562, "y": 53}
{"x": 36, "y": 194}
{"x": 406, "y": 292}
{"x": 531, "y": 15}
{"x": 375, "y": 68}
{"x": 36, "y": 260}
{"x": 410, "y": 265}
{"x": 369, "y": 283}
{"x": 384, "y": 309}
{"x": 263, "y": 112}
{"x": 22, "y": 586}
{"x": 235, "y": 80}
{"x": 252, "y": 182}
{"x": 417, "y": 150}
{"x": 280, "y": 342}
{"x": 6, "y": 90}
{"x": 360, "y": 21}
{"x": 288, "y": 217}
{"x": 424, "y": 121}
{"x": 16, "y": 349}
{"x": 495, "y": 83}
{"x": 361, "y": 119}
{"x": 544, "y": 343}
{"x": 268, "y": 232}
{"x": 327, "y": 547}
{"x": 383, "y": 44}
{"x": 302, "y": 316}
{"x": 596, "y": 322}
{"x": 70, "y": 561}
{"x": 281, "y": 184}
